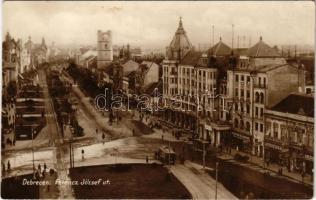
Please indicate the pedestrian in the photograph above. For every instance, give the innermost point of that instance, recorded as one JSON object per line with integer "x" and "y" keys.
{"x": 147, "y": 159}
{"x": 9, "y": 165}
{"x": 103, "y": 137}
{"x": 39, "y": 167}
{"x": 82, "y": 153}
{"x": 45, "y": 166}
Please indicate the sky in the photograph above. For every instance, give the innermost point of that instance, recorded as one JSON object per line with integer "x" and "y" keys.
{"x": 153, "y": 24}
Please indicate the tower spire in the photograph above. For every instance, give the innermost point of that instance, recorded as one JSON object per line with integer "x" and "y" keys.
{"x": 180, "y": 24}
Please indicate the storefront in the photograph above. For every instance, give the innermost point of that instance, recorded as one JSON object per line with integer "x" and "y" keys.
{"x": 273, "y": 152}
{"x": 241, "y": 142}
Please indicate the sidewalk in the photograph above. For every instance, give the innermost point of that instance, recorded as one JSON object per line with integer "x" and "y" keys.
{"x": 51, "y": 191}
{"x": 255, "y": 163}
{"x": 258, "y": 162}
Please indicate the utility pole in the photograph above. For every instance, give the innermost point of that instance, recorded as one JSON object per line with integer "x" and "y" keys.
{"x": 216, "y": 176}
{"x": 33, "y": 151}
{"x": 232, "y": 36}
{"x": 70, "y": 153}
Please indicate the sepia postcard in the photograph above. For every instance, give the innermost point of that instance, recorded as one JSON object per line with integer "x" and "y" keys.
{"x": 157, "y": 100}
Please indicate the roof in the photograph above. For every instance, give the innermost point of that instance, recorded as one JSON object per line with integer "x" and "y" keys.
{"x": 270, "y": 67}
{"x": 150, "y": 88}
{"x": 180, "y": 43}
{"x": 220, "y": 49}
{"x": 89, "y": 53}
{"x": 191, "y": 58}
{"x": 129, "y": 67}
{"x": 91, "y": 57}
{"x": 296, "y": 103}
{"x": 261, "y": 49}
{"x": 149, "y": 65}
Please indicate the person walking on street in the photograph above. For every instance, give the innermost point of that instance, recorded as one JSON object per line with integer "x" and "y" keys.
{"x": 9, "y": 165}
{"x": 82, "y": 154}
{"x": 103, "y": 137}
{"x": 147, "y": 159}
{"x": 45, "y": 166}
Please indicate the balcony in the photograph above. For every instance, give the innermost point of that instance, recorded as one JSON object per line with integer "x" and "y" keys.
{"x": 260, "y": 86}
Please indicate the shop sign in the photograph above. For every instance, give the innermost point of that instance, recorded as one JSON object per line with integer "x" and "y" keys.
{"x": 245, "y": 138}
{"x": 273, "y": 146}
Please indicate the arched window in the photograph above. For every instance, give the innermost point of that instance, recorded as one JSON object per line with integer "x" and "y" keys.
{"x": 241, "y": 124}
{"x": 236, "y": 123}
{"x": 257, "y": 97}
{"x": 261, "y": 98}
{"x": 236, "y": 106}
{"x": 247, "y": 126}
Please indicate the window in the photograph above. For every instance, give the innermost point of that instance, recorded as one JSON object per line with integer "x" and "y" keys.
{"x": 257, "y": 97}
{"x": 242, "y": 93}
{"x": 256, "y": 126}
{"x": 256, "y": 111}
{"x": 248, "y": 79}
{"x": 275, "y": 129}
{"x": 236, "y": 123}
{"x": 247, "y": 108}
{"x": 261, "y": 127}
{"x": 261, "y": 112}
{"x": 236, "y": 106}
{"x": 236, "y": 92}
{"x": 248, "y": 94}
{"x": 261, "y": 98}
{"x": 259, "y": 80}
{"x": 242, "y": 78}
{"x": 236, "y": 78}
{"x": 241, "y": 124}
{"x": 264, "y": 82}
{"x": 247, "y": 126}
{"x": 241, "y": 107}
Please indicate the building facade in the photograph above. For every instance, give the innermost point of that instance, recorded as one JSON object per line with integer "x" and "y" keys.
{"x": 289, "y": 133}
{"x": 260, "y": 79}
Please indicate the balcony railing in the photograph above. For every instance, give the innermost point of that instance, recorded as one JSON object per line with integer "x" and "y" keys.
{"x": 256, "y": 85}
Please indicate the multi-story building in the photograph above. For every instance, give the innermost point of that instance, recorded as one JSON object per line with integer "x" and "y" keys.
{"x": 11, "y": 57}
{"x": 289, "y": 133}
{"x": 260, "y": 80}
{"x": 189, "y": 85}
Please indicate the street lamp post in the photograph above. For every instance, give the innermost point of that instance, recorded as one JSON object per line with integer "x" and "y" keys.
{"x": 216, "y": 177}
{"x": 32, "y": 132}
